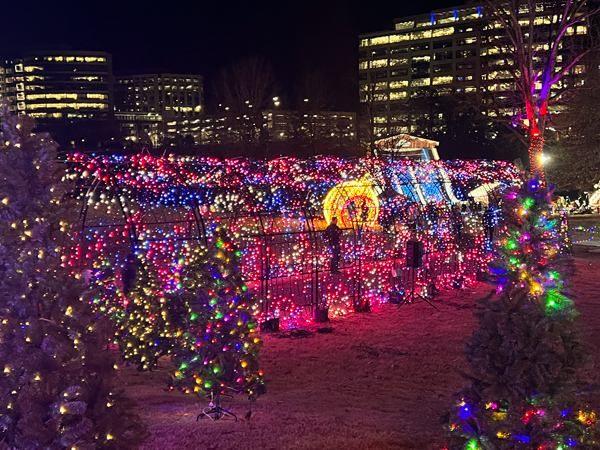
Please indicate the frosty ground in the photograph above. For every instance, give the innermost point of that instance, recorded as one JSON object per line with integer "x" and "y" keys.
{"x": 380, "y": 381}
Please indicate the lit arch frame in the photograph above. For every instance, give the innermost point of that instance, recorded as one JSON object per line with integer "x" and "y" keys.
{"x": 354, "y": 203}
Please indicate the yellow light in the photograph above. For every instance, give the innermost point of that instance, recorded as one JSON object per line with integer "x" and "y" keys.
{"x": 108, "y": 437}
{"x": 353, "y": 203}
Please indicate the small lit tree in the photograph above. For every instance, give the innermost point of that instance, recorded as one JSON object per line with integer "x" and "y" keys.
{"x": 525, "y": 358}
{"x": 145, "y": 332}
{"x": 218, "y": 347}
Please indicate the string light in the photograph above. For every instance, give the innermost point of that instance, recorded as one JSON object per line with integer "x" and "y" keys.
{"x": 276, "y": 210}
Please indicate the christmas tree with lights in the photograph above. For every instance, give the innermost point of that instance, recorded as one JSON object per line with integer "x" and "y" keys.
{"x": 524, "y": 389}
{"x": 145, "y": 332}
{"x": 218, "y": 348}
{"x": 57, "y": 383}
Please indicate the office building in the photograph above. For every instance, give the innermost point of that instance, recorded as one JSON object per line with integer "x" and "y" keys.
{"x": 69, "y": 93}
{"x": 58, "y": 85}
{"x": 177, "y": 99}
{"x": 405, "y": 73}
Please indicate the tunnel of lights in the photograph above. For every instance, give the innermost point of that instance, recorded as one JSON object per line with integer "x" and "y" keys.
{"x": 276, "y": 212}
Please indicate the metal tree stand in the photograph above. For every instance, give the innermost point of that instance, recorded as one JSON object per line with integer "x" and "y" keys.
{"x": 216, "y": 412}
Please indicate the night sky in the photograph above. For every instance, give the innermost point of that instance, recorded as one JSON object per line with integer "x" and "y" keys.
{"x": 201, "y": 37}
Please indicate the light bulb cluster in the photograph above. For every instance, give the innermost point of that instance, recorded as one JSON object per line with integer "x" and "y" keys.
{"x": 514, "y": 399}
{"x": 277, "y": 211}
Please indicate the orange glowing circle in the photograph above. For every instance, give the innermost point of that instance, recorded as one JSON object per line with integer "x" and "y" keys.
{"x": 354, "y": 203}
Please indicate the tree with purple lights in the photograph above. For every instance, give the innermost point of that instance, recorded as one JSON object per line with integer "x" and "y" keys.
{"x": 540, "y": 45}
{"x": 524, "y": 387}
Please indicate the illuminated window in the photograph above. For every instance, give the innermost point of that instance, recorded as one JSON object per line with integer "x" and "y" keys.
{"x": 524, "y": 22}
{"x": 424, "y": 23}
{"x": 379, "y": 63}
{"x": 33, "y": 68}
{"x": 100, "y": 96}
{"x": 398, "y": 62}
{"x": 542, "y": 20}
{"x": 379, "y": 40}
{"x": 570, "y": 31}
{"x": 425, "y": 34}
{"x": 50, "y": 96}
{"x": 67, "y": 105}
{"x": 447, "y": 18}
{"x": 470, "y": 89}
{"x": 581, "y": 29}
{"x": 18, "y": 67}
{"x": 420, "y": 82}
{"x": 499, "y": 74}
{"x": 443, "y": 80}
{"x": 397, "y": 95}
{"x": 423, "y": 58}
{"x": 579, "y": 69}
{"x": 381, "y": 86}
{"x": 443, "y": 32}
{"x": 380, "y": 97}
{"x": 398, "y": 84}
{"x": 91, "y": 78}
{"x": 361, "y": 66}
{"x": 399, "y": 38}
{"x": 469, "y": 14}
{"x": 380, "y": 119}
{"x": 466, "y": 41}
{"x": 404, "y": 25}
{"x": 20, "y": 95}
{"x": 33, "y": 78}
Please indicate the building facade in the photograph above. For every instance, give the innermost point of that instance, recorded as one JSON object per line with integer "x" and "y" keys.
{"x": 55, "y": 86}
{"x": 405, "y": 73}
{"x": 176, "y": 99}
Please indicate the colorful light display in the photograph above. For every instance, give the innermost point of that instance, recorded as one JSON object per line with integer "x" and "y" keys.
{"x": 525, "y": 358}
{"x": 164, "y": 207}
{"x": 218, "y": 345}
{"x": 354, "y": 203}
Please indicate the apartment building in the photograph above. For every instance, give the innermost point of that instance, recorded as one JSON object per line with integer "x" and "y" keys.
{"x": 406, "y": 72}
{"x": 175, "y": 100}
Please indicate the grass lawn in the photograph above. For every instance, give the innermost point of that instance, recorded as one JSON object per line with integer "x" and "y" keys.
{"x": 380, "y": 381}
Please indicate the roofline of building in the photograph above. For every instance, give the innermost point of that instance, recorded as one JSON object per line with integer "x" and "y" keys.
{"x": 414, "y": 17}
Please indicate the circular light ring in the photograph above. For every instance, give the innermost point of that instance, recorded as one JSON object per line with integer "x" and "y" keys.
{"x": 354, "y": 203}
